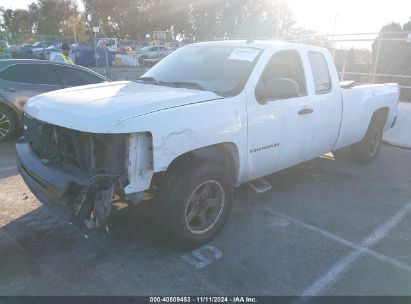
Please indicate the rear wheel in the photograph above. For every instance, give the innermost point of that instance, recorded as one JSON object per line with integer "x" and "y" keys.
{"x": 8, "y": 124}
{"x": 194, "y": 203}
{"x": 367, "y": 149}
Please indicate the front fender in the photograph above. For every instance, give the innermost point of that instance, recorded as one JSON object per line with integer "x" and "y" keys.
{"x": 179, "y": 130}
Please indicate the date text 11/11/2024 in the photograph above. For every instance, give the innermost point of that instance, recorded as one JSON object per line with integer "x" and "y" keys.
{"x": 203, "y": 299}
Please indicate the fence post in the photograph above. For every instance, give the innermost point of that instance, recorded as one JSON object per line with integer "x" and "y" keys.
{"x": 377, "y": 57}
{"x": 44, "y": 49}
{"x": 343, "y": 70}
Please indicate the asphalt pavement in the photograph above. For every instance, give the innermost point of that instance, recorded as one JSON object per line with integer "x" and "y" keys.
{"x": 327, "y": 227}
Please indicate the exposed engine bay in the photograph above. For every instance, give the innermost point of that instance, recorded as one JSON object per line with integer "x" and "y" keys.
{"x": 101, "y": 160}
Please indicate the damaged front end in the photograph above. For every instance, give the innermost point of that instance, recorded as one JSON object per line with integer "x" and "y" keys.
{"x": 76, "y": 170}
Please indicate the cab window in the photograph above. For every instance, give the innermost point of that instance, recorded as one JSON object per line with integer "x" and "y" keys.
{"x": 321, "y": 74}
{"x": 284, "y": 65}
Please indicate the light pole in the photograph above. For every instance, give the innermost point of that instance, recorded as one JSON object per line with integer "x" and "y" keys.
{"x": 74, "y": 22}
{"x": 96, "y": 29}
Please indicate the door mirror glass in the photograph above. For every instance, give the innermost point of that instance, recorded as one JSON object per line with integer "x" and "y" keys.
{"x": 277, "y": 88}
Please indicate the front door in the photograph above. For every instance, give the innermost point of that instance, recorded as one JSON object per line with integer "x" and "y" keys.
{"x": 280, "y": 130}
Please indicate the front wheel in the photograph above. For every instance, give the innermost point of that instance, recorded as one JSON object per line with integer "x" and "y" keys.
{"x": 367, "y": 149}
{"x": 194, "y": 203}
{"x": 8, "y": 124}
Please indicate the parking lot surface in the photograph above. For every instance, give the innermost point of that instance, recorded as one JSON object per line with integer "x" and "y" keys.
{"x": 327, "y": 227}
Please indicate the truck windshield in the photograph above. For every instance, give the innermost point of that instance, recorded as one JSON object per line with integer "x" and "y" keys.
{"x": 220, "y": 69}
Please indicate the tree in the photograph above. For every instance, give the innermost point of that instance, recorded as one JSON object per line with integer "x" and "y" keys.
{"x": 392, "y": 53}
{"x": 109, "y": 15}
{"x": 75, "y": 27}
{"x": 243, "y": 19}
{"x": 51, "y": 15}
{"x": 407, "y": 26}
{"x": 390, "y": 44}
{"x": 16, "y": 21}
{"x": 192, "y": 20}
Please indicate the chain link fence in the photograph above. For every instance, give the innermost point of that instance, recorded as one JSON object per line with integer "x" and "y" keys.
{"x": 367, "y": 58}
{"x": 374, "y": 58}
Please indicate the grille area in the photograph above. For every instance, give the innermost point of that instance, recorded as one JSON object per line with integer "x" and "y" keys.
{"x": 74, "y": 151}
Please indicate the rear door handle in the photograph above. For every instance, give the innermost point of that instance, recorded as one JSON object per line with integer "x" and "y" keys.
{"x": 305, "y": 111}
{"x": 9, "y": 90}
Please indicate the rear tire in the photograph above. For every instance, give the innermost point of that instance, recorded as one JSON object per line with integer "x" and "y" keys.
{"x": 365, "y": 151}
{"x": 8, "y": 124}
{"x": 194, "y": 203}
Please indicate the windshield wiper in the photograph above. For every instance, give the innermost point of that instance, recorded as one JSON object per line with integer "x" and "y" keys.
{"x": 151, "y": 80}
{"x": 183, "y": 84}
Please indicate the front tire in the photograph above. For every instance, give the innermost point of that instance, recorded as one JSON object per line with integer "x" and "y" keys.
{"x": 368, "y": 148}
{"x": 8, "y": 124}
{"x": 194, "y": 203}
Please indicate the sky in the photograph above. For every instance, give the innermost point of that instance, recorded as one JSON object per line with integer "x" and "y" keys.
{"x": 353, "y": 16}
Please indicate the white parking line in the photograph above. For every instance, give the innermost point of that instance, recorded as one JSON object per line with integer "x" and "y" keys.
{"x": 358, "y": 250}
{"x": 338, "y": 239}
{"x": 344, "y": 263}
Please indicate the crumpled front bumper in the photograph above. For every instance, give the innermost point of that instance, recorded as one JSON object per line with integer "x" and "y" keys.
{"x": 53, "y": 187}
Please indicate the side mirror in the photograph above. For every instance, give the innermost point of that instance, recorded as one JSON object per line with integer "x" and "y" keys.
{"x": 277, "y": 88}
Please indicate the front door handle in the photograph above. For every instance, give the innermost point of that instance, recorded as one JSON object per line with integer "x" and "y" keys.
{"x": 305, "y": 111}
{"x": 9, "y": 90}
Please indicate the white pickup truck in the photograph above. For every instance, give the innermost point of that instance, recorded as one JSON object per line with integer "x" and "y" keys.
{"x": 208, "y": 118}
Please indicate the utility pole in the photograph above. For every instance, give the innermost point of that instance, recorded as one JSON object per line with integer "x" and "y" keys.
{"x": 332, "y": 39}
{"x": 377, "y": 57}
{"x": 74, "y": 26}
{"x": 96, "y": 29}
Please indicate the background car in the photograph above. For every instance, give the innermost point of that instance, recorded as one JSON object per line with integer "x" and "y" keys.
{"x": 26, "y": 51}
{"x": 22, "y": 79}
{"x": 153, "y": 52}
{"x": 4, "y": 50}
{"x": 44, "y": 54}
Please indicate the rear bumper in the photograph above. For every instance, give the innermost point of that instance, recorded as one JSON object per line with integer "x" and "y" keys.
{"x": 54, "y": 188}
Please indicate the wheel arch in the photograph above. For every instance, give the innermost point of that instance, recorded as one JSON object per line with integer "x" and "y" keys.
{"x": 13, "y": 111}
{"x": 381, "y": 115}
{"x": 225, "y": 154}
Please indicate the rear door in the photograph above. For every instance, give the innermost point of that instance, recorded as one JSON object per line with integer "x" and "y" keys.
{"x": 19, "y": 82}
{"x": 327, "y": 102}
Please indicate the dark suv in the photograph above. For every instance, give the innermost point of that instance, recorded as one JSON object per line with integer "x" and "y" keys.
{"x": 22, "y": 79}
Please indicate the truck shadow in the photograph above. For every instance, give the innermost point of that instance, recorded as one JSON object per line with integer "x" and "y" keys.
{"x": 329, "y": 168}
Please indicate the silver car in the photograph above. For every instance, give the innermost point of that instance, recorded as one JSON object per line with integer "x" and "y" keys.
{"x": 21, "y": 79}
{"x": 153, "y": 52}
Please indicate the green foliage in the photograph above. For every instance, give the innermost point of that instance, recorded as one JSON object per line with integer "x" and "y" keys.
{"x": 190, "y": 20}
{"x": 16, "y": 21}
{"x": 392, "y": 53}
{"x": 51, "y": 15}
{"x": 44, "y": 17}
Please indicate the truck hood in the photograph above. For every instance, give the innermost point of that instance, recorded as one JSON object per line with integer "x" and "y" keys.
{"x": 98, "y": 108}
